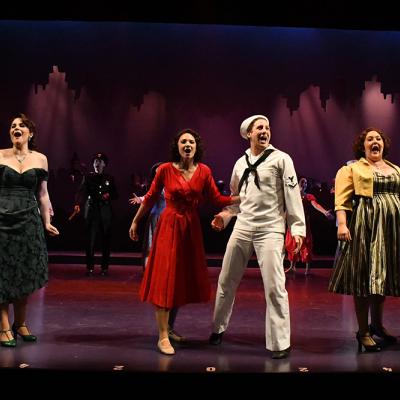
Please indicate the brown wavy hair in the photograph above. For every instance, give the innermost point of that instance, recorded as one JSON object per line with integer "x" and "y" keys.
{"x": 358, "y": 144}
{"x": 32, "y": 129}
{"x": 176, "y": 157}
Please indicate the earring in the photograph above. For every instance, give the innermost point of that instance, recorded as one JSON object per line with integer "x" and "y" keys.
{"x": 30, "y": 137}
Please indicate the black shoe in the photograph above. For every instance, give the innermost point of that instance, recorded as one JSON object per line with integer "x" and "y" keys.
{"x": 89, "y": 272}
{"x": 215, "y": 338}
{"x": 104, "y": 272}
{"x": 175, "y": 336}
{"x": 10, "y": 342}
{"x": 383, "y": 334}
{"x": 370, "y": 347}
{"x": 26, "y": 338}
{"x": 279, "y": 354}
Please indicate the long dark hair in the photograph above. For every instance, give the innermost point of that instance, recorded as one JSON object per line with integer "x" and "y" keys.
{"x": 176, "y": 157}
{"x": 32, "y": 129}
{"x": 358, "y": 144}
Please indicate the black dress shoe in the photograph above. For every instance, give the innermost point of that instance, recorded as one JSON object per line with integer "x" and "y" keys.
{"x": 89, "y": 272}
{"x": 278, "y": 354}
{"x": 215, "y": 338}
{"x": 175, "y": 336}
{"x": 104, "y": 272}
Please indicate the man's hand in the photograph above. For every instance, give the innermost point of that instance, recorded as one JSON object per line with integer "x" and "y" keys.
{"x": 76, "y": 211}
{"x": 217, "y": 223}
{"x": 299, "y": 243}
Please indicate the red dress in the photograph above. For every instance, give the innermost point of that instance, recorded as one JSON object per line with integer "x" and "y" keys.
{"x": 176, "y": 271}
{"x": 305, "y": 253}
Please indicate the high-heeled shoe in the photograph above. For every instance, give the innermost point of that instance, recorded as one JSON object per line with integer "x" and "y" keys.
{"x": 383, "y": 334}
{"x": 165, "y": 347}
{"x": 370, "y": 348}
{"x": 8, "y": 343}
{"x": 25, "y": 338}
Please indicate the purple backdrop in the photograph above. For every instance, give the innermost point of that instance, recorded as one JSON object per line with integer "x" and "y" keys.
{"x": 127, "y": 88}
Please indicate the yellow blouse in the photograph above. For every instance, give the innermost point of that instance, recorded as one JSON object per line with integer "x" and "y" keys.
{"x": 355, "y": 179}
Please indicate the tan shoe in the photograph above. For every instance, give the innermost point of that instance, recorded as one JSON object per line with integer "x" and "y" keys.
{"x": 165, "y": 347}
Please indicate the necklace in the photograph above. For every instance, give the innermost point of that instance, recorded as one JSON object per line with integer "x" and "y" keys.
{"x": 20, "y": 159}
{"x": 378, "y": 167}
{"x": 382, "y": 169}
{"x": 375, "y": 165}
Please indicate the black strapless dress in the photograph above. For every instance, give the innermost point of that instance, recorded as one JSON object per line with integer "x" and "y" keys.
{"x": 23, "y": 251}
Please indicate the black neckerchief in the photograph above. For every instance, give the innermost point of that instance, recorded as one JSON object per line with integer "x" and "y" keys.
{"x": 253, "y": 167}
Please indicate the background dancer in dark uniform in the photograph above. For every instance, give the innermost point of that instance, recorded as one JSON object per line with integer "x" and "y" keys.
{"x": 96, "y": 192}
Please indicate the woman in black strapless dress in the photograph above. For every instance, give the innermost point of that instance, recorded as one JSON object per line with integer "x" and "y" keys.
{"x": 24, "y": 217}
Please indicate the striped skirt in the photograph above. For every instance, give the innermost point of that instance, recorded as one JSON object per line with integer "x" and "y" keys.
{"x": 370, "y": 263}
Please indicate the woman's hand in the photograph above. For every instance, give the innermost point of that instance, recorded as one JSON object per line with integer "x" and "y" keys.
{"x": 51, "y": 230}
{"x": 133, "y": 232}
{"x": 135, "y": 199}
{"x": 343, "y": 233}
{"x": 235, "y": 199}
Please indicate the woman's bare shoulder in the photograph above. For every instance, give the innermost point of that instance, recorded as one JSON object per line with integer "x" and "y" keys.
{"x": 42, "y": 159}
{"x": 5, "y": 153}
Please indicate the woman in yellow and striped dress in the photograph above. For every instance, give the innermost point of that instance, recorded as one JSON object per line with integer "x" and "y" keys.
{"x": 367, "y": 263}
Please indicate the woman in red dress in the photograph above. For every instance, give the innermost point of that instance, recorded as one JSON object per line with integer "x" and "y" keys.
{"x": 305, "y": 253}
{"x": 176, "y": 272}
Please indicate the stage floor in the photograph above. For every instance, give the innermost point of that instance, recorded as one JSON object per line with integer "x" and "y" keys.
{"x": 98, "y": 324}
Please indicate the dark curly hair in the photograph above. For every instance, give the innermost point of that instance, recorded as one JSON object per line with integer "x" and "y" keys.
{"x": 358, "y": 144}
{"x": 176, "y": 157}
{"x": 30, "y": 125}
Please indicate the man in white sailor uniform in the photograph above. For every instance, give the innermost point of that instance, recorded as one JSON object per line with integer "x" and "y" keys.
{"x": 266, "y": 181}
